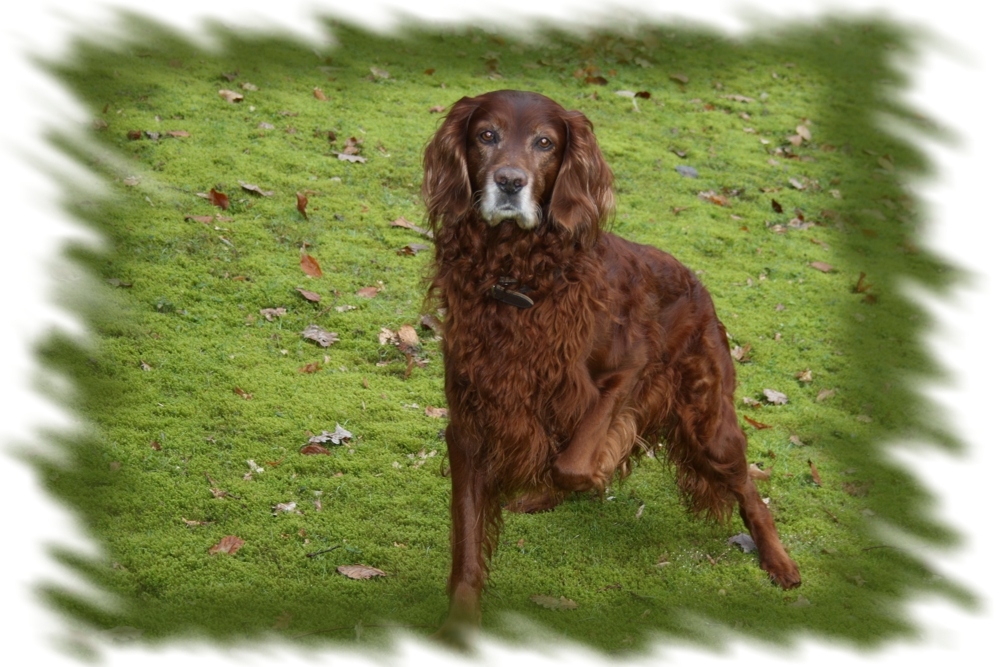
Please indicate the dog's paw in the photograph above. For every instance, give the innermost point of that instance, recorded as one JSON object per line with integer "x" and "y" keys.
{"x": 534, "y": 501}
{"x": 785, "y": 575}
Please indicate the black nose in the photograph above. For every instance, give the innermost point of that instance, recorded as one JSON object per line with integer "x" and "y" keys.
{"x": 509, "y": 179}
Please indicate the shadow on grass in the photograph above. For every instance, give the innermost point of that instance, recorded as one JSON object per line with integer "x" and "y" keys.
{"x": 850, "y": 77}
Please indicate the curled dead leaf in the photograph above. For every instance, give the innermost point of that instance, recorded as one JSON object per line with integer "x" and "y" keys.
{"x": 320, "y": 335}
{"x": 300, "y": 204}
{"x": 756, "y": 424}
{"x": 310, "y": 266}
{"x": 229, "y": 544}
{"x": 230, "y": 96}
{"x": 775, "y": 397}
{"x": 218, "y": 199}
{"x": 309, "y": 296}
{"x": 360, "y": 571}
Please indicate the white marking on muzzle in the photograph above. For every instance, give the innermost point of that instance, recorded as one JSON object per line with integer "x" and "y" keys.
{"x": 497, "y": 206}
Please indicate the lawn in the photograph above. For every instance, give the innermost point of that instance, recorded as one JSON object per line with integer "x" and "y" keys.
{"x": 233, "y": 225}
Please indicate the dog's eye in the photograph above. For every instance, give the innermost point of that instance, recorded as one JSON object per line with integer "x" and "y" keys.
{"x": 544, "y": 143}
{"x": 488, "y": 136}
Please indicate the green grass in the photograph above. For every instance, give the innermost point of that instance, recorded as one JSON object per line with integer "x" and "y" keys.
{"x": 169, "y": 349}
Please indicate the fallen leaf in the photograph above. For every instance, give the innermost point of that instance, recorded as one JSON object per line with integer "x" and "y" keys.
{"x": 230, "y": 96}
{"x": 218, "y": 199}
{"x": 815, "y": 473}
{"x": 323, "y": 337}
{"x": 314, "y": 449}
{"x": 406, "y": 224}
{"x": 431, "y": 322}
{"x": 412, "y": 249}
{"x": 803, "y": 132}
{"x": 311, "y": 367}
{"x": 756, "y": 424}
{"x": 744, "y": 542}
{"x": 776, "y": 207}
{"x": 249, "y": 187}
{"x": 822, "y": 266}
{"x": 270, "y": 313}
{"x": 246, "y": 396}
{"x": 775, "y": 397}
{"x": 825, "y": 394}
{"x": 437, "y": 413}
{"x": 318, "y": 94}
{"x": 752, "y": 402}
{"x": 596, "y": 80}
{"x": 300, "y": 203}
{"x": 309, "y": 296}
{"x": 311, "y": 267}
{"x": 861, "y": 286}
{"x": 711, "y": 196}
{"x": 229, "y": 544}
{"x": 368, "y": 292}
{"x": 741, "y": 353}
{"x": 345, "y": 308}
{"x": 795, "y": 183}
{"x": 804, "y": 376}
{"x": 360, "y": 571}
{"x": 284, "y": 507}
{"x": 178, "y": 134}
{"x": 337, "y": 437}
{"x": 757, "y": 473}
{"x": 408, "y": 336}
{"x": 550, "y": 602}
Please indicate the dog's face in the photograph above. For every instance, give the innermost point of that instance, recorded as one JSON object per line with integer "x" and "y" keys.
{"x": 517, "y": 156}
{"x": 514, "y": 149}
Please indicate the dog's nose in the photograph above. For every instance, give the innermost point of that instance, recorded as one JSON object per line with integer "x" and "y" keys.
{"x": 510, "y": 179}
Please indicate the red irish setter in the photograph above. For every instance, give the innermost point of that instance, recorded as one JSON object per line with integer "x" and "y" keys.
{"x": 566, "y": 348}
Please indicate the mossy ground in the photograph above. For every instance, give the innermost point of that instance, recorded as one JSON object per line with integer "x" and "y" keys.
{"x": 174, "y": 309}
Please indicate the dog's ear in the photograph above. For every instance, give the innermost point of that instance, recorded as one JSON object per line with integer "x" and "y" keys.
{"x": 583, "y": 199}
{"x": 447, "y": 191}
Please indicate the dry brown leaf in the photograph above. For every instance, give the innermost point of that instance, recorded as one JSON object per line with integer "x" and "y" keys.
{"x": 311, "y": 367}
{"x": 741, "y": 353}
{"x": 815, "y": 473}
{"x": 822, "y": 266}
{"x": 300, "y": 204}
{"x": 309, "y": 296}
{"x": 310, "y": 266}
{"x": 711, "y": 196}
{"x": 318, "y": 94}
{"x": 360, "y": 571}
{"x": 757, "y": 473}
{"x": 368, "y": 292}
{"x": 803, "y": 132}
{"x": 411, "y": 249}
{"x": 230, "y": 96}
{"x": 408, "y": 336}
{"x": 250, "y": 187}
{"x": 229, "y": 544}
{"x": 756, "y": 424}
{"x": 246, "y": 396}
{"x": 437, "y": 413}
{"x": 218, "y": 199}
{"x": 406, "y": 224}
{"x": 314, "y": 449}
{"x": 804, "y": 376}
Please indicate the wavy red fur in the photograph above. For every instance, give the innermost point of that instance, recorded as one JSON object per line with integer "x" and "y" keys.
{"x": 621, "y": 346}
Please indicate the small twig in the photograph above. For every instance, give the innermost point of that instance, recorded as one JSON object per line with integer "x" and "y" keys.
{"x": 322, "y": 551}
{"x": 355, "y": 627}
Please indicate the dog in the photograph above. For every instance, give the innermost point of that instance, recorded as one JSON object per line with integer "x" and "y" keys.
{"x": 566, "y": 348}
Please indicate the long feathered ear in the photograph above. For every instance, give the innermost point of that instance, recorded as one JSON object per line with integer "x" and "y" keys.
{"x": 447, "y": 191}
{"x": 583, "y": 199}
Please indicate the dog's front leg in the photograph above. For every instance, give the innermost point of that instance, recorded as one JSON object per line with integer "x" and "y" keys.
{"x": 468, "y": 533}
{"x": 603, "y": 438}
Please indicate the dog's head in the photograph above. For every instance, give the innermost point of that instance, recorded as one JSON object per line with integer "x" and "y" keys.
{"x": 517, "y": 156}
